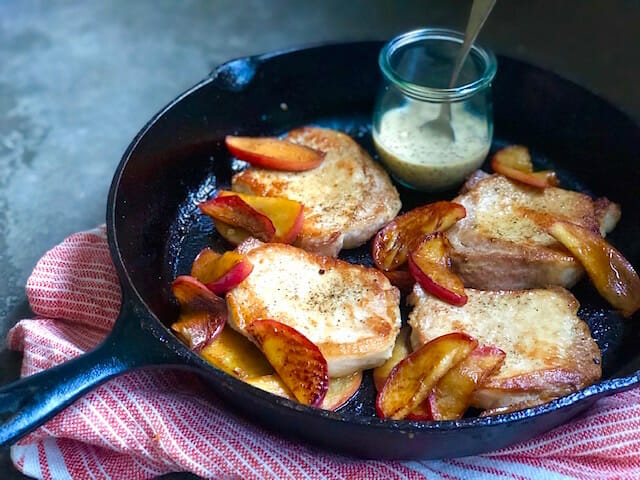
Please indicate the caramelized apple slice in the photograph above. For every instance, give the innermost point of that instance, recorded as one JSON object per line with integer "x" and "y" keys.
{"x": 228, "y": 271}
{"x": 411, "y": 380}
{"x": 232, "y": 210}
{"x": 286, "y": 215}
{"x": 516, "y": 157}
{"x": 203, "y": 264}
{"x": 392, "y": 243}
{"x": 341, "y": 389}
{"x": 274, "y": 153}
{"x": 514, "y": 162}
{"x": 516, "y": 407}
{"x": 295, "y": 358}
{"x": 401, "y": 349}
{"x": 452, "y": 396}
{"x": 430, "y": 265}
{"x": 401, "y": 279}
{"x": 202, "y": 313}
{"x": 422, "y": 413}
{"x": 220, "y": 273}
{"x": 271, "y": 383}
{"x": 231, "y": 234}
{"x": 611, "y": 273}
{"x": 233, "y": 353}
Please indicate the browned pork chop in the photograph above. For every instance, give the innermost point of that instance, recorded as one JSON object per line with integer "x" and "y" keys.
{"x": 495, "y": 247}
{"x": 349, "y": 311}
{"x": 346, "y": 199}
{"x": 549, "y": 350}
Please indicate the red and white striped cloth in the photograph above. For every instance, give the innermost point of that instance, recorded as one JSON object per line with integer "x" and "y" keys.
{"x": 146, "y": 423}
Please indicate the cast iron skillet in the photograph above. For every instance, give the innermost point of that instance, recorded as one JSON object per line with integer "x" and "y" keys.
{"x": 178, "y": 159}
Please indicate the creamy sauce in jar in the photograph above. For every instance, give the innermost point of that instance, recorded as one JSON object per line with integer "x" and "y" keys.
{"x": 422, "y": 159}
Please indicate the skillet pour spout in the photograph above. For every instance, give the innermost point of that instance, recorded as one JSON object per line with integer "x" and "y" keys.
{"x": 178, "y": 160}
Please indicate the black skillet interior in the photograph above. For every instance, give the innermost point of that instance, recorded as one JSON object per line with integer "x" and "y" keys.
{"x": 179, "y": 160}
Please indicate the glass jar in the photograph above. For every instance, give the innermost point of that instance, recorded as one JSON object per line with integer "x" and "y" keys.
{"x": 417, "y": 68}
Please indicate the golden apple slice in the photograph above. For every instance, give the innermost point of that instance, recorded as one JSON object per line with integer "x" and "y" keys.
{"x": 232, "y": 210}
{"x": 202, "y": 313}
{"x": 401, "y": 349}
{"x": 516, "y": 157}
{"x": 422, "y": 413}
{"x": 392, "y": 243}
{"x": 231, "y": 234}
{"x": 286, "y": 215}
{"x": 274, "y": 153}
{"x": 298, "y": 362}
{"x": 430, "y": 265}
{"x": 273, "y": 384}
{"x": 341, "y": 389}
{"x": 611, "y": 273}
{"x": 514, "y": 162}
{"x": 236, "y": 355}
{"x": 203, "y": 264}
{"x": 411, "y": 380}
{"x": 452, "y": 396}
{"x": 220, "y": 273}
{"x": 516, "y": 407}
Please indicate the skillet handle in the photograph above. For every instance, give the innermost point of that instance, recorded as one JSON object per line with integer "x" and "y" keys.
{"x": 28, "y": 403}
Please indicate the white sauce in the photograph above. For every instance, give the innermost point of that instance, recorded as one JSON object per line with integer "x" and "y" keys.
{"x": 426, "y": 160}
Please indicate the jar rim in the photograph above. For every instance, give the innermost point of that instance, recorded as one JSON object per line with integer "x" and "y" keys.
{"x": 422, "y": 92}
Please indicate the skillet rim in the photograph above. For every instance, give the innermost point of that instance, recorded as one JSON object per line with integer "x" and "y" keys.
{"x": 190, "y": 358}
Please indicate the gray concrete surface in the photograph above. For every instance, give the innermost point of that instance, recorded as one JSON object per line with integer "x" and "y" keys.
{"x": 78, "y": 79}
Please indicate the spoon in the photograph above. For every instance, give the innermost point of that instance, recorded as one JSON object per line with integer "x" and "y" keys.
{"x": 480, "y": 11}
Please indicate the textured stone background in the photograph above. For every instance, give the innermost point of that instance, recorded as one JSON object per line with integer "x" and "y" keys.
{"x": 78, "y": 80}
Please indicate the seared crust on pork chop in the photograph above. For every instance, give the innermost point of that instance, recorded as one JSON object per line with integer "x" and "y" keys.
{"x": 349, "y": 311}
{"x": 550, "y": 351}
{"x": 495, "y": 247}
{"x": 346, "y": 199}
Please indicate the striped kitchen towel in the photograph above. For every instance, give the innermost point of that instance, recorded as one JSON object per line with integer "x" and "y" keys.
{"x": 148, "y": 423}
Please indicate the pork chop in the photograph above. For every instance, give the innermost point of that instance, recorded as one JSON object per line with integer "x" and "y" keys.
{"x": 349, "y": 311}
{"x": 495, "y": 247}
{"x": 346, "y": 199}
{"x": 550, "y": 351}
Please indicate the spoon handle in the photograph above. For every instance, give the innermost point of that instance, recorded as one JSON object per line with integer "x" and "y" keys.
{"x": 480, "y": 11}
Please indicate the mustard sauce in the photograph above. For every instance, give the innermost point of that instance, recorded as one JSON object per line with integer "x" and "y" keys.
{"x": 423, "y": 159}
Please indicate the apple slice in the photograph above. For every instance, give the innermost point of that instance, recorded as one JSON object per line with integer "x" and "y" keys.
{"x": 273, "y": 384}
{"x": 231, "y": 234}
{"x": 341, "y": 389}
{"x": 286, "y": 215}
{"x": 202, "y": 264}
{"x": 401, "y": 279}
{"x": 452, "y": 396}
{"x": 202, "y": 313}
{"x": 401, "y": 349}
{"x": 295, "y": 358}
{"x": 430, "y": 265}
{"x": 516, "y": 406}
{"x": 611, "y": 273}
{"x": 220, "y": 273}
{"x": 227, "y": 272}
{"x": 233, "y": 353}
{"x": 274, "y": 153}
{"x": 234, "y": 211}
{"x": 514, "y": 162}
{"x": 392, "y": 243}
{"x": 422, "y": 413}
{"x": 411, "y": 380}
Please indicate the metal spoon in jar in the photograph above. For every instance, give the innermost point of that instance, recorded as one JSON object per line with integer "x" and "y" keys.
{"x": 480, "y": 11}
